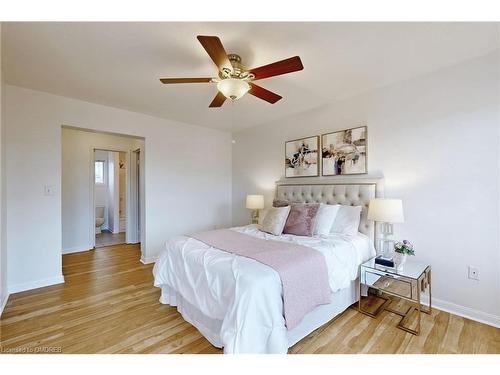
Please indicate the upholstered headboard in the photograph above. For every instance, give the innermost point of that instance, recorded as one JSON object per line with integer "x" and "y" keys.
{"x": 352, "y": 192}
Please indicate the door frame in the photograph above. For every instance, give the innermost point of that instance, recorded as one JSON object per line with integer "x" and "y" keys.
{"x": 128, "y": 184}
{"x": 133, "y": 201}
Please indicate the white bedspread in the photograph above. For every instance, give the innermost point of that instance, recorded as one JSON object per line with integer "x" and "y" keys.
{"x": 243, "y": 293}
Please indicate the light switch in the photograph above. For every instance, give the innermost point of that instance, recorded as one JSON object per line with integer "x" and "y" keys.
{"x": 48, "y": 190}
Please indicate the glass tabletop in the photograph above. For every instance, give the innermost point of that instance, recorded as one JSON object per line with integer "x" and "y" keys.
{"x": 411, "y": 269}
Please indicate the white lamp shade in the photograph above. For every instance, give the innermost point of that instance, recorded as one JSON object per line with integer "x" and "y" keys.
{"x": 233, "y": 88}
{"x": 255, "y": 202}
{"x": 386, "y": 210}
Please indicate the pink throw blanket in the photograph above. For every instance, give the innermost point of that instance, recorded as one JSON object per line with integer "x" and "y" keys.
{"x": 302, "y": 270}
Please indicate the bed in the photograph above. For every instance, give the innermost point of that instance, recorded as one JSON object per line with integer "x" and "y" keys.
{"x": 236, "y": 302}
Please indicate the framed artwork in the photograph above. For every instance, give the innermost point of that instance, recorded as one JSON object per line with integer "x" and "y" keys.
{"x": 302, "y": 157}
{"x": 344, "y": 152}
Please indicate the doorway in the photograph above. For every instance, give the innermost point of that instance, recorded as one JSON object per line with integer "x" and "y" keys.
{"x": 100, "y": 189}
{"x": 110, "y": 187}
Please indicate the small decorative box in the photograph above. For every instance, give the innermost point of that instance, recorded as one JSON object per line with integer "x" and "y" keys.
{"x": 387, "y": 262}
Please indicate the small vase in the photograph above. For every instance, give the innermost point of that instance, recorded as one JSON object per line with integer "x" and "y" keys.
{"x": 399, "y": 260}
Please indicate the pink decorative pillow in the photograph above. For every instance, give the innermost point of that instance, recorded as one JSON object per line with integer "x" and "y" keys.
{"x": 302, "y": 219}
{"x": 280, "y": 203}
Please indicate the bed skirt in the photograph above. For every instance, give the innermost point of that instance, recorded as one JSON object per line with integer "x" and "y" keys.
{"x": 210, "y": 328}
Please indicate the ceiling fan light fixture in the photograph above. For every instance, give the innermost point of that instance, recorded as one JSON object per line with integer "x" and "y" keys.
{"x": 233, "y": 88}
{"x": 233, "y": 79}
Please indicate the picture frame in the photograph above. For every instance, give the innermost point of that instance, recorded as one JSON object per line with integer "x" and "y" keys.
{"x": 345, "y": 152}
{"x": 302, "y": 157}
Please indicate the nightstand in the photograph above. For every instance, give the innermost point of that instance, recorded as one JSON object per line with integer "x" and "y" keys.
{"x": 408, "y": 283}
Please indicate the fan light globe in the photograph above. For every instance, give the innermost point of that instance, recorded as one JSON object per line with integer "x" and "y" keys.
{"x": 233, "y": 88}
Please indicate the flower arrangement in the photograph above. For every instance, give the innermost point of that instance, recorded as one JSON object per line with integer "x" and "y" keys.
{"x": 404, "y": 247}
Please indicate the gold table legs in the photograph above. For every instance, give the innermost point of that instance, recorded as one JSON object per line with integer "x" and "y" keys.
{"x": 417, "y": 307}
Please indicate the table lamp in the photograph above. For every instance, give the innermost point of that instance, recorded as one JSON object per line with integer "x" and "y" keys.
{"x": 255, "y": 203}
{"x": 386, "y": 212}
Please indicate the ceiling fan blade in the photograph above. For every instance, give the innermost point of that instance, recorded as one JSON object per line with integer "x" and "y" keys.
{"x": 218, "y": 100}
{"x": 215, "y": 50}
{"x": 185, "y": 80}
{"x": 292, "y": 64}
{"x": 263, "y": 94}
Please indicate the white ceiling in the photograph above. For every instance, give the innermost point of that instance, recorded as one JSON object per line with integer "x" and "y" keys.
{"x": 119, "y": 64}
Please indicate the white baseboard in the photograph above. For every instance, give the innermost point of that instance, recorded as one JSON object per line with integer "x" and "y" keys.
{"x": 16, "y": 288}
{"x": 76, "y": 249}
{"x": 148, "y": 260}
{"x": 3, "y": 302}
{"x": 463, "y": 311}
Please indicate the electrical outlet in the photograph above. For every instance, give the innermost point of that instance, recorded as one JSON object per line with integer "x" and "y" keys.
{"x": 473, "y": 272}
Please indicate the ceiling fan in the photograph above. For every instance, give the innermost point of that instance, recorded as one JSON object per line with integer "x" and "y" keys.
{"x": 234, "y": 79}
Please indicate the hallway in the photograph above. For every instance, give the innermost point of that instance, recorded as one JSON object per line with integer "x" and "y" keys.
{"x": 107, "y": 239}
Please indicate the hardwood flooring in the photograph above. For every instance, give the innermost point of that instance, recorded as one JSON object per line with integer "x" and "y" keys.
{"x": 108, "y": 305}
{"x": 107, "y": 239}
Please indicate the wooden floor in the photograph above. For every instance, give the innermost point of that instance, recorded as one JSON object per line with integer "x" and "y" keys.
{"x": 107, "y": 239}
{"x": 108, "y": 305}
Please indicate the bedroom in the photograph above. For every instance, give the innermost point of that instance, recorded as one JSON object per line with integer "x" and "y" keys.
{"x": 378, "y": 132}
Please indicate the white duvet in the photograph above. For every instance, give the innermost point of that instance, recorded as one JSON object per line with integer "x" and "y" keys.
{"x": 245, "y": 295}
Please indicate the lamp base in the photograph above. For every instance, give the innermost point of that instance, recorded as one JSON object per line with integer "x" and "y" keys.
{"x": 385, "y": 247}
{"x": 384, "y": 244}
{"x": 255, "y": 216}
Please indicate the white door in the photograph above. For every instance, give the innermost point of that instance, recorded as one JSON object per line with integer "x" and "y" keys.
{"x": 132, "y": 233}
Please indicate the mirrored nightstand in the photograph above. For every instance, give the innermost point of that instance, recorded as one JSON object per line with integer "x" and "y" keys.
{"x": 408, "y": 283}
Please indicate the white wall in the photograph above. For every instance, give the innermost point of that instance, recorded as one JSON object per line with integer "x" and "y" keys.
{"x": 77, "y": 148}
{"x": 435, "y": 139}
{"x": 121, "y": 176}
{"x": 3, "y": 247}
{"x": 186, "y": 167}
{"x": 114, "y": 190}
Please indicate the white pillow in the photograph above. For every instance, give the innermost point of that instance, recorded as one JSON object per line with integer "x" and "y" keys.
{"x": 262, "y": 215}
{"x": 347, "y": 220}
{"x": 325, "y": 218}
{"x": 275, "y": 220}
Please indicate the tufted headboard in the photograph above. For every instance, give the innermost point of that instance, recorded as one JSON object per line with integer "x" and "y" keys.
{"x": 354, "y": 192}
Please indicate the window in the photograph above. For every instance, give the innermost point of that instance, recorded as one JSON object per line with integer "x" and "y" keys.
{"x": 99, "y": 172}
